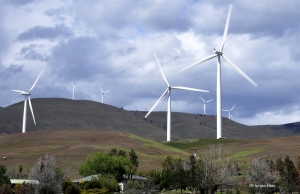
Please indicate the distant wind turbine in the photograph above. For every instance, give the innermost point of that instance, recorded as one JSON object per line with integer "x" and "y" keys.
{"x": 219, "y": 54}
{"x": 204, "y": 106}
{"x": 168, "y": 90}
{"x": 103, "y": 94}
{"x": 229, "y": 112}
{"x": 74, "y": 89}
{"x": 27, "y": 97}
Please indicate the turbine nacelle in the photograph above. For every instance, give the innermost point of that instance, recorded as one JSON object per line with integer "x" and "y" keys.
{"x": 217, "y": 52}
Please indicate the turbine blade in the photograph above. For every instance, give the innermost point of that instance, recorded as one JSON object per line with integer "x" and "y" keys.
{"x": 35, "y": 81}
{"x": 231, "y": 116}
{"x": 186, "y": 88}
{"x": 210, "y": 100}
{"x": 225, "y": 110}
{"x": 101, "y": 89}
{"x": 106, "y": 91}
{"x": 31, "y": 109}
{"x": 202, "y": 99}
{"x": 18, "y": 91}
{"x": 226, "y": 28}
{"x": 198, "y": 62}
{"x": 239, "y": 71}
{"x": 232, "y": 107}
{"x": 161, "y": 71}
{"x": 157, "y": 102}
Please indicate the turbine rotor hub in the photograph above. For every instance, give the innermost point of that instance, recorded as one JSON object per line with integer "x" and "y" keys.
{"x": 218, "y": 52}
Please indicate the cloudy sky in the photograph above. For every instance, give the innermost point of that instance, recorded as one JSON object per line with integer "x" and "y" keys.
{"x": 110, "y": 44}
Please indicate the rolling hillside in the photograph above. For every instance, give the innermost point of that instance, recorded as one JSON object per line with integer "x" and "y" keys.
{"x": 66, "y": 114}
{"x": 72, "y": 147}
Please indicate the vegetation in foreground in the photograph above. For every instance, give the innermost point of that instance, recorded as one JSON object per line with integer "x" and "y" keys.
{"x": 214, "y": 171}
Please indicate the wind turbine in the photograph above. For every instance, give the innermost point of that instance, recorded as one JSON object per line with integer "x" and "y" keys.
{"x": 229, "y": 113}
{"x": 204, "y": 107}
{"x": 168, "y": 90}
{"x": 219, "y": 54}
{"x": 74, "y": 89}
{"x": 103, "y": 94}
{"x": 27, "y": 97}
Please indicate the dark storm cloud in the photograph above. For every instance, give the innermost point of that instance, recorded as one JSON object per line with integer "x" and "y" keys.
{"x": 30, "y": 53}
{"x": 257, "y": 18}
{"x": 40, "y": 32}
{"x": 10, "y": 71}
{"x": 261, "y": 21}
{"x": 7, "y": 75}
{"x": 118, "y": 17}
{"x": 158, "y": 19}
{"x": 81, "y": 58}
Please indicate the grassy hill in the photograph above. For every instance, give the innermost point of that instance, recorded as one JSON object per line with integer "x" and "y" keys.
{"x": 72, "y": 147}
{"x": 58, "y": 113}
{"x": 66, "y": 114}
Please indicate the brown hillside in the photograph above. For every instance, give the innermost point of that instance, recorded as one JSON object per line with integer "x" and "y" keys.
{"x": 58, "y": 113}
{"x": 72, "y": 147}
{"x": 62, "y": 114}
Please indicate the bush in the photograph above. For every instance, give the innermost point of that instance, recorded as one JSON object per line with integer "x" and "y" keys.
{"x": 5, "y": 189}
{"x": 70, "y": 188}
{"x": 93, "y": 191}
{"x": 3, "y": 178}
{"x": 47, "y": 190}
{"x": 135, "y": 185}
{"x": 23, "y": 188}
{"x": 105, "y": 181}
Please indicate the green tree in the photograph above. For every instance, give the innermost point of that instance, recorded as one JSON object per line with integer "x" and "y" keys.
{"x": 174, "y": 173}
{"x": 122, "y": 153}
{"x": 298, "y": 171}
{"x": 20, "y": 171}
{"x": 288, "y": 181}
{"x": 102, "y": 163}
{"x": 134, "y": 161}
{"x": 113, "y": 152}
{"x": 4, "y": 179}
{"x": 192, "y": 172}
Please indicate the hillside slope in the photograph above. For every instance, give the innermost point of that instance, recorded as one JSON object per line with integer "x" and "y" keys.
{"x": 58, "y": 114}
{"x": 72, "y": 147}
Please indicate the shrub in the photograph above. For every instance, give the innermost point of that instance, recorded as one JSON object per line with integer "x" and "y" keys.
{"x": 5, "y": 189}
{"x": 70, "y": 188}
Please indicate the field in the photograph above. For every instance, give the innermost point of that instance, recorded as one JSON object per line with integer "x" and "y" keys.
{"x": 72, "y": 147}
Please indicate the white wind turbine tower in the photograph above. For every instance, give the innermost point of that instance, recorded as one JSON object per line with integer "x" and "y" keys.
{"x": 168, "y": 90}
{"x": 204, "y": 106}
{"x": 219, "y": 54}
{"x": 229, "y": 112}
{"x": 27, "y": 97}
{"x": 103, "y": 94}
{"x": 74, "y": 89}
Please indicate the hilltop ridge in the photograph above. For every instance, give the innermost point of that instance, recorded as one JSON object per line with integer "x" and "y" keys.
{"x": 64, "y": 114}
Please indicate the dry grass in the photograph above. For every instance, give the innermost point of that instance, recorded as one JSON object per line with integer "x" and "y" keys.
{"x": 61, "y": 114}
{"x": 72, "y": 147}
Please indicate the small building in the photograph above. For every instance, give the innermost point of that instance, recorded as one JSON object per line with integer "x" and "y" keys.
{"x": 21, "y": 181}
